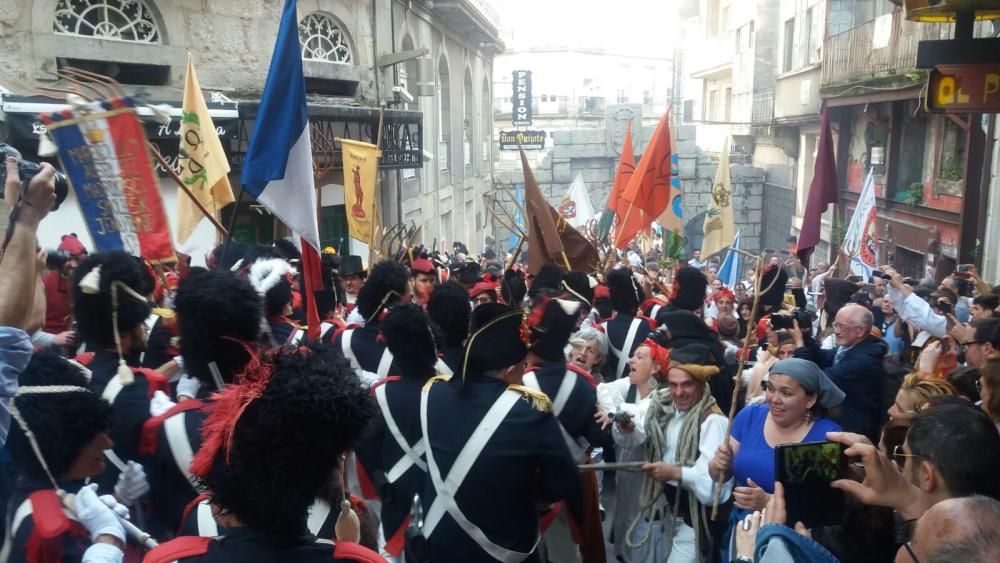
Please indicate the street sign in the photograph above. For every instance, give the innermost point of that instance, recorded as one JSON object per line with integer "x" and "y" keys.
{"x": 964, "y": 89}
{"x": 527, "y": 140}
{"x": 930, "y": 11}
{"x": 521, "y": 112}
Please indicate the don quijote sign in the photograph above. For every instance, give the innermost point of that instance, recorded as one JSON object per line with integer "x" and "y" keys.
{"x": 528, "y": 140}
{"x": 521, "y": 99}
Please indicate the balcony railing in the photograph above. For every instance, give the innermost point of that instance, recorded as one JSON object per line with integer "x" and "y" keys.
{"x": 762, "y": 111}
{"x": 591, "y": 105}
{"x": 851, "y": 57}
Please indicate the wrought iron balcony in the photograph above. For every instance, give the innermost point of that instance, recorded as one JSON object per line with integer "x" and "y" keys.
{"x": 762, "y": 111}
{"x": 851, "y": 57}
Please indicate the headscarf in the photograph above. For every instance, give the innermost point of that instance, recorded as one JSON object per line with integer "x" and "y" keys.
{"x": 659, "y": 355}
{"x": 812, "y": 379}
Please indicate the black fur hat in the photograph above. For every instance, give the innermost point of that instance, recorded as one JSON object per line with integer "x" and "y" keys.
{"x": 218, "y": 315}
{"x": 494, "y": 342}
{"x": 63, "y": 423}
{"x": 775, "y": 296}
{"x": 93, "y": 312}
{"x": 548, "y": 281}
{"x": 409, "y": 337}
{"x": 332, "y": 294}
{"x": 386, "y": 284}
{"x": 550, "y": 331}
{"x": 512, "y": 288}
{"x": 688, "y": 291}
{"x": 576, "y": 285}
{"x": 626, "y": 294}
{"x": 450, "y": 309}
{"x": 311, "y": 410}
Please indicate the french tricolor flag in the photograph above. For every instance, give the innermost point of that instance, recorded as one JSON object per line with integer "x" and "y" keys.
{"x": 278, "y": 168}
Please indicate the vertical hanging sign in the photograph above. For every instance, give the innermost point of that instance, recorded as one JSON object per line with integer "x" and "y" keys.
{"x": 521, "y": 111}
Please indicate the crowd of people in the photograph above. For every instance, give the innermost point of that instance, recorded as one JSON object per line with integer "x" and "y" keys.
{"x": 459, "y": 408}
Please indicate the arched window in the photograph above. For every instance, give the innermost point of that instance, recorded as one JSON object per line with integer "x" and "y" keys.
{"x": 467, "y": 119}
{"x": 123, "y": 20}
{"x": 487, "y": 116}
{"x": 444, "y": 113}
{"x": 323, "y": 39}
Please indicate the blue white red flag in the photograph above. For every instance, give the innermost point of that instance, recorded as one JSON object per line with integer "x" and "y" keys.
{"x": 278, "y": 168}
{"x": 104, "y": 151}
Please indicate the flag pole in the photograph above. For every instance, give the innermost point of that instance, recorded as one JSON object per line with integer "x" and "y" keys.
{"x": 624, "y": 222}
{"x": 739, "y": 366}
{"x": 517, "y": 252}
{"x": 566, "y": 261}
{"x": 180, "y": 183}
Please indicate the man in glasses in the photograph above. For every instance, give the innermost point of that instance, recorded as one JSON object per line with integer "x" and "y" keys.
{"x": 985, "y": 341}
{"x": 855, "y": 366}
{"x": 958, "y": 529}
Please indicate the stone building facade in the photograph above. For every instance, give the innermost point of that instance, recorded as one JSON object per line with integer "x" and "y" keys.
{"x": 442, "y": 161}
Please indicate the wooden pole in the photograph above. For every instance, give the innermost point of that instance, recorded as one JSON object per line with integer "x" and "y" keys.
{"x": 737, "y": 377}
{"x": 566, "y": 260}
{"x": 618, "y": 232}
{"x": 180, "y": 183}
{"x": 517, "y": 252}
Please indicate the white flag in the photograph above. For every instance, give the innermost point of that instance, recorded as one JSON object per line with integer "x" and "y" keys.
{"x": 861, "y": 240}
{"x": 575, "y": 206}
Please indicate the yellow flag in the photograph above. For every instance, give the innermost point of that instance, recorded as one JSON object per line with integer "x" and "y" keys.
{"x": 204, "y": 167}
{"x": 719, "y": 224}
{"x": 360, "y": 174}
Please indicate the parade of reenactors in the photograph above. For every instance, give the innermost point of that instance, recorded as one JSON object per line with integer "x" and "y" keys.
{"x": 612, "y": 392}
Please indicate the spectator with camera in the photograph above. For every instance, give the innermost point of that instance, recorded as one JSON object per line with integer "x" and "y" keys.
{"x": 912, "y": 309}
{"x": 855, "y": 366}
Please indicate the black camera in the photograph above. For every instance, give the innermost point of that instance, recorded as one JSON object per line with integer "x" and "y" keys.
{"x": 27, "y": 170}
{"x": 787, "y": 321}
{"x": 881, "y": 274}
{"x": 56, "y": 259}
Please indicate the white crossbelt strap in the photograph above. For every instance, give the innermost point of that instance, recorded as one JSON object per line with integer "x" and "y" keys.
{"x": 411, "y": 456}
{"x": 297, "y": 337}
{"x": 150, "y": 323}
{"x": 318, "y": 513}
{"x": 577, "y": 448}
{"x": 654, "y": 310}
{"x": 112, "y": 389}
{"x": 207, "y": 527}
{"x": 175, "y": 428}
{"x": 447, "y": 488}
{"x": 443, "y": 368}
{"x": 345, "y": 346}
{"x": 384, "y": 364}
{"x": 623, "y": 354}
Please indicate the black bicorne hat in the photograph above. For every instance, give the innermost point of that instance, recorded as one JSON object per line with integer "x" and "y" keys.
{"x": 495, "y": 341}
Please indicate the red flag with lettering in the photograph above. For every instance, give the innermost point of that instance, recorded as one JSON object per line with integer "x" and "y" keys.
{"x": 648, "y": 192}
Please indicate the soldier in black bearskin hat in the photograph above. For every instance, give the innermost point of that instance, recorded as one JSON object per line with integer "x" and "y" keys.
{"x": 450, "y": 309}
{"x": 512, "y": 288}
{"x": 682, "y": 317}
{"x": 387, "y": 285}
{"x": 392, "y": 450}
{"x": 626, "y": 330}
{"x": 57, "y": 441}
{"x": 272, "y": 278}
{"x": 270, "y": 444}
{"x": 512, "y": 450}
{"x": 219, "y": 320}
{"x": 574, "y": 402}
{"x": 110, "y": 314}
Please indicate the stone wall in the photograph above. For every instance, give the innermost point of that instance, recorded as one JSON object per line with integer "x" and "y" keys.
{"x": 594, "y": 153}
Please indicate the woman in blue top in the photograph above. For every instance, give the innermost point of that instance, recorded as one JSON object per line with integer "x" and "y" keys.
{"x": 798, "y": 395}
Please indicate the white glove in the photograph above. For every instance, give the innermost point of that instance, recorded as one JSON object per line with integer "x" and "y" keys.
{"x": 188, "y": 386}
{"x": 95, "y": 514}
{"x": 132, "y": 484}
{"x": 160, "y": 403}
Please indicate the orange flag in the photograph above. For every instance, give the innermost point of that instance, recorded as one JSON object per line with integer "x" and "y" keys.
{"x": 648, "y": 193}
{"x": 626, "y": 166}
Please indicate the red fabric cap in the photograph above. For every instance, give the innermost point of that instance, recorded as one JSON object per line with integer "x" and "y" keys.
{"x": 724, "y": 292}
{"x": 482, "y": 287}
{"x": 602, "y": 291}
{"x": 423, "y": 266}
{"x": 72, "y": 245}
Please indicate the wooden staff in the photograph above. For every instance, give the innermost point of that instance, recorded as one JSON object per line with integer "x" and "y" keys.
{"x": 737, "y": 377}
{"x": 632, "y": 466}
{"x": 180, "y": 183}
{"x": 517, "y": 252}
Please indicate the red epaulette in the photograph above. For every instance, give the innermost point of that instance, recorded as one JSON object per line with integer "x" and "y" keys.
{"x": 341, "y": 330}
{"x": 589, "y": 378}
{"x": 47, "y": 514}
{"x": 155, "y": 380}
{"x": 177, "y": 549}
{"x": 383, "y": 381}
{"x": 151, "y": 428}
{"x": 350, "y": 551}
{"x": 649, "y": 321}
{"x": 84, "y": 359}
{"x": 191, "y": 506}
